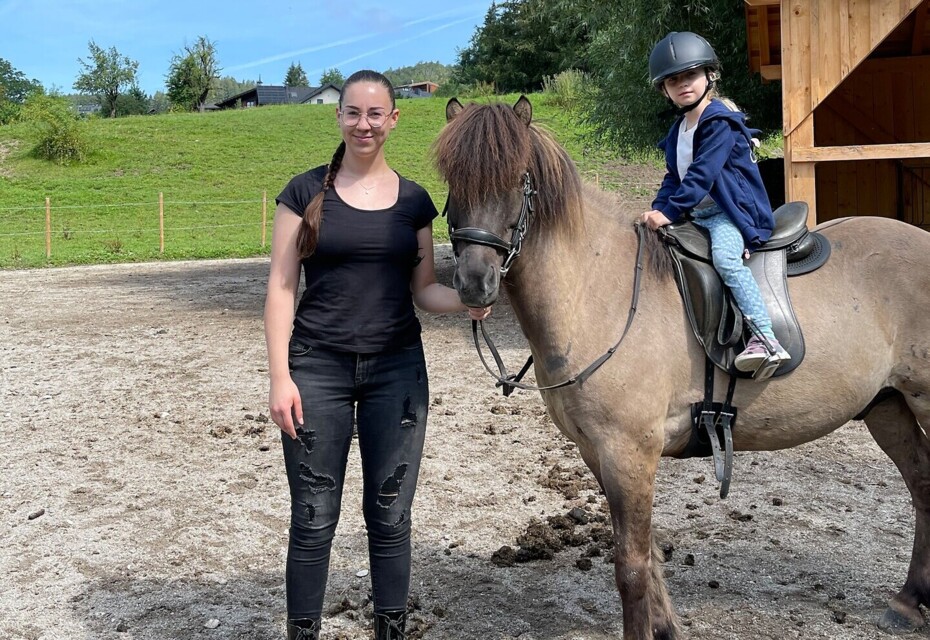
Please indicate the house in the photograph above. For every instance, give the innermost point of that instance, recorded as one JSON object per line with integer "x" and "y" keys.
{"x": 415, "y": 90}
{"x": 854, "y": 86}
{"x": 264, "y": 94}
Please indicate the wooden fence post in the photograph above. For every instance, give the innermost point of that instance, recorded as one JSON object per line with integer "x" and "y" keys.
{"x": 161, "y": 222}
{"x": 264, "y": 214}
{"x": 48, "y": 228}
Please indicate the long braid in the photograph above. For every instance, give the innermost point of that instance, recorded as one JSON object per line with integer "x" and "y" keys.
{"x": 309, "y": 233}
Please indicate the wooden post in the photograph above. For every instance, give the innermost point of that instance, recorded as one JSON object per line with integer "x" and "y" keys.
{"x": 264, "y": 214}
{"x": 48, "y": 228}
{"x": 161, "y": 222}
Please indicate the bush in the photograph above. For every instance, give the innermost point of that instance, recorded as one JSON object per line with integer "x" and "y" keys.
{"x": 61, "y": 136}
{"x": 565, "y": 89}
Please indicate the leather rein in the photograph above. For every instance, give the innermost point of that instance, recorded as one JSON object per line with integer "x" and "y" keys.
{"x": 476, "y": 235}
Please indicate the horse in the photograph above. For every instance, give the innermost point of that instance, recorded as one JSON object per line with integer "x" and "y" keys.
{"x": 568, "y": 269}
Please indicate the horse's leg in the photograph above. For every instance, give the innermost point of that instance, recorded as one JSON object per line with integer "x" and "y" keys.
{"x": 647, "y": 610}
{"x": 896, "y": 430}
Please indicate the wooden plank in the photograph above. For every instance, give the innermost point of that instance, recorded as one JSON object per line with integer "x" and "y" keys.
{"x": 860, "y": 42}
{"x": 796, "y": 64}
{"x": 847, "y": 189}
{"x": 771, "y": 72}
{"x": 871, "y": 131}
{"x": 800, "y": 177}
{"x": 902, "y": 92}
{"x": 904, "y": 64}
{"x": 765, "y": 53}
{"x": 887, "y": 190}
{"x": 762, "y": 3}
{"x": 844, "y": 43}
{"x": 867, "y": 181}
{"x": 825, "y": 32}
{"x": 861, "y": 152}
{"x": 827, "y": 208}
{"x": 920, "y": 25}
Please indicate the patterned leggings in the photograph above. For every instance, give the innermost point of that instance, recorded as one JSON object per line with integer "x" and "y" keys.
{"x": 727, "y": 248}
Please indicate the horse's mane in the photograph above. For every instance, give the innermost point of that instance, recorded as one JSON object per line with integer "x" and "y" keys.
{"x": 485, "y": 150}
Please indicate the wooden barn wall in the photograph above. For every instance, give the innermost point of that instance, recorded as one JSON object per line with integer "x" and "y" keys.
{"x": 882, "y": 102}
{"x": 824, "y": 40}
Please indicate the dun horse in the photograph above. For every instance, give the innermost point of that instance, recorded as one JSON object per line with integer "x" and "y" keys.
{"x": 865, "y": 317}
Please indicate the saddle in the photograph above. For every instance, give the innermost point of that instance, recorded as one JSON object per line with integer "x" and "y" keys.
{"x": 715, "y": 319}
{"x": 717, "y": 322}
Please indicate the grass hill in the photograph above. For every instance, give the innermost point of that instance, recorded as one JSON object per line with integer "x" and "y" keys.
{"x": 212, "y": 170}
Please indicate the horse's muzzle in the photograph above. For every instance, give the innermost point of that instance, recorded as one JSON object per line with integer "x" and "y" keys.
{"x": 477, "y": 276}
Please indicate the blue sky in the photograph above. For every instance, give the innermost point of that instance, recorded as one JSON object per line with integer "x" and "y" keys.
{"x": 45, "y": 38}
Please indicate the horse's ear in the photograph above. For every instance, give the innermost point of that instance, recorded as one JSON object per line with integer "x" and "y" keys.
{"x": 524, "y": 110}
{"x": 453, "y": 108}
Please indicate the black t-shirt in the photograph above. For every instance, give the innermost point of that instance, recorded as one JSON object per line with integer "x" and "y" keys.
{"x": 357, "y": 295}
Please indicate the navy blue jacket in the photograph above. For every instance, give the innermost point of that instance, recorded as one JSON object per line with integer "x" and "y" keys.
{"x": 722, "y": 167}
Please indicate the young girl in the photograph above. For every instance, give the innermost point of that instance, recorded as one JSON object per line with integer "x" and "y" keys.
{"x": 352, "y": 352}
{"x": 711, "y": 172}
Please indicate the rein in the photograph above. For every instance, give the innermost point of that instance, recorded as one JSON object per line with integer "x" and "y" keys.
{"x": 509, "y": 382}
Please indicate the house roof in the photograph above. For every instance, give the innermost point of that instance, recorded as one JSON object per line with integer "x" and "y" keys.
{"x": 315, "y": 91}
{"x": 274, "y": 94}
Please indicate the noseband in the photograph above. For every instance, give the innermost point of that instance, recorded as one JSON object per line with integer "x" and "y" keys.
{"x": 476, "y": 235}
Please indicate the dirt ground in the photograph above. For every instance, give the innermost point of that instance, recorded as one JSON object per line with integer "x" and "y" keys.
{"x": 143, "y": 491}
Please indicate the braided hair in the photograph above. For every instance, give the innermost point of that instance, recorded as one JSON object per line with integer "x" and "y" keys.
{"x": 309, "y": 233}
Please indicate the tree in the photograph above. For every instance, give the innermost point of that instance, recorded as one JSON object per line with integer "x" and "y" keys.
{"x": 295, "y": 76}
{"x": 134, "y": 102}
{"x": 227, "y": 87}
{"x": 623, "y": 105}
{"x": 520, "y": 43}
{"x": 420, "y": 72}
{"x": 105, "y": 74}
{"x": 192, "y": 74}
{"x": 15, "y": 88}
{"x": 332, "y": 76}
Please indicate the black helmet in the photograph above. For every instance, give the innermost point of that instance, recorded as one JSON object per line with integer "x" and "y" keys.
{"x": 680, "y": 51}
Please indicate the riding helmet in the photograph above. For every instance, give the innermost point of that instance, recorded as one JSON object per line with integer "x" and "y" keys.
{"x": 680, "y": 51}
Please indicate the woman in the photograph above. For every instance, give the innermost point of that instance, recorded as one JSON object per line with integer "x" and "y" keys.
{"x": 351, "y": 352}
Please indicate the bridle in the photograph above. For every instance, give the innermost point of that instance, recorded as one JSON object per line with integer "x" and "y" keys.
{"x": 475, "y": 235}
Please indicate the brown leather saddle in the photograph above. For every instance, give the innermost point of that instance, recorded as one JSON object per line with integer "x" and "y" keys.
{"x": 715, "y": 319}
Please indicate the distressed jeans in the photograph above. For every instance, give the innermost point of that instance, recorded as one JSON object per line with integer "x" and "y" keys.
{"x": 726, "y": 247}
{"x": 387, "y": 395}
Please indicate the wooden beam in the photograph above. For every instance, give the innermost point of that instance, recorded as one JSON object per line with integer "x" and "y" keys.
{"x": 763, "y": 3}
{"x": 800, "y": 176}
{"x": 771, "y": 72}
{"x": 765, "y": 53}
{"x": 861, "y": 152}
{"x": 902, "y": 64}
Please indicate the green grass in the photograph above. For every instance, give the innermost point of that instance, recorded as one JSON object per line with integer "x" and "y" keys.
{"x": 212, "y": 169}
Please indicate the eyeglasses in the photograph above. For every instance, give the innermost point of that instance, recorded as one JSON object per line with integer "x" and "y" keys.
{"x": 376, "y": 120}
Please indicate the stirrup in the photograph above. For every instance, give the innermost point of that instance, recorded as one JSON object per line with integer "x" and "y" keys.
{"x": 769, "y": 366}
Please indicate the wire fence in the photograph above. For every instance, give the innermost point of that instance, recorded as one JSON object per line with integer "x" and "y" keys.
{"x": 55, "y": 233}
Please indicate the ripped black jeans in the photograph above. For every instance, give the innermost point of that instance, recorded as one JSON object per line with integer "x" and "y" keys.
{"x": 387, "y": 394}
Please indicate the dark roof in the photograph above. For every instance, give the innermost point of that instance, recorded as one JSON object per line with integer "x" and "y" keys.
{"x": 270, "y": 94}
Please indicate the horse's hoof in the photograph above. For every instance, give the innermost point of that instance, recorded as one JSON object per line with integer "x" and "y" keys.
{"x": 897, "y": 623}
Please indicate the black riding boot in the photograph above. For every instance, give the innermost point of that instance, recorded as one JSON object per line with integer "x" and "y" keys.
{"x": 303, "y": 629}
{"x": 390, "y": 625}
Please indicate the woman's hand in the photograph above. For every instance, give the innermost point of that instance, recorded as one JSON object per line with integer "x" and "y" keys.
{"x": 284, "y": 405}
{"x": 654, "y": 219}
{"x": 479, "y": 313}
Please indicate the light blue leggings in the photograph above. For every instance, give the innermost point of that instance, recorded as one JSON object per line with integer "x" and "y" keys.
{"x": 727, "y": 245}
